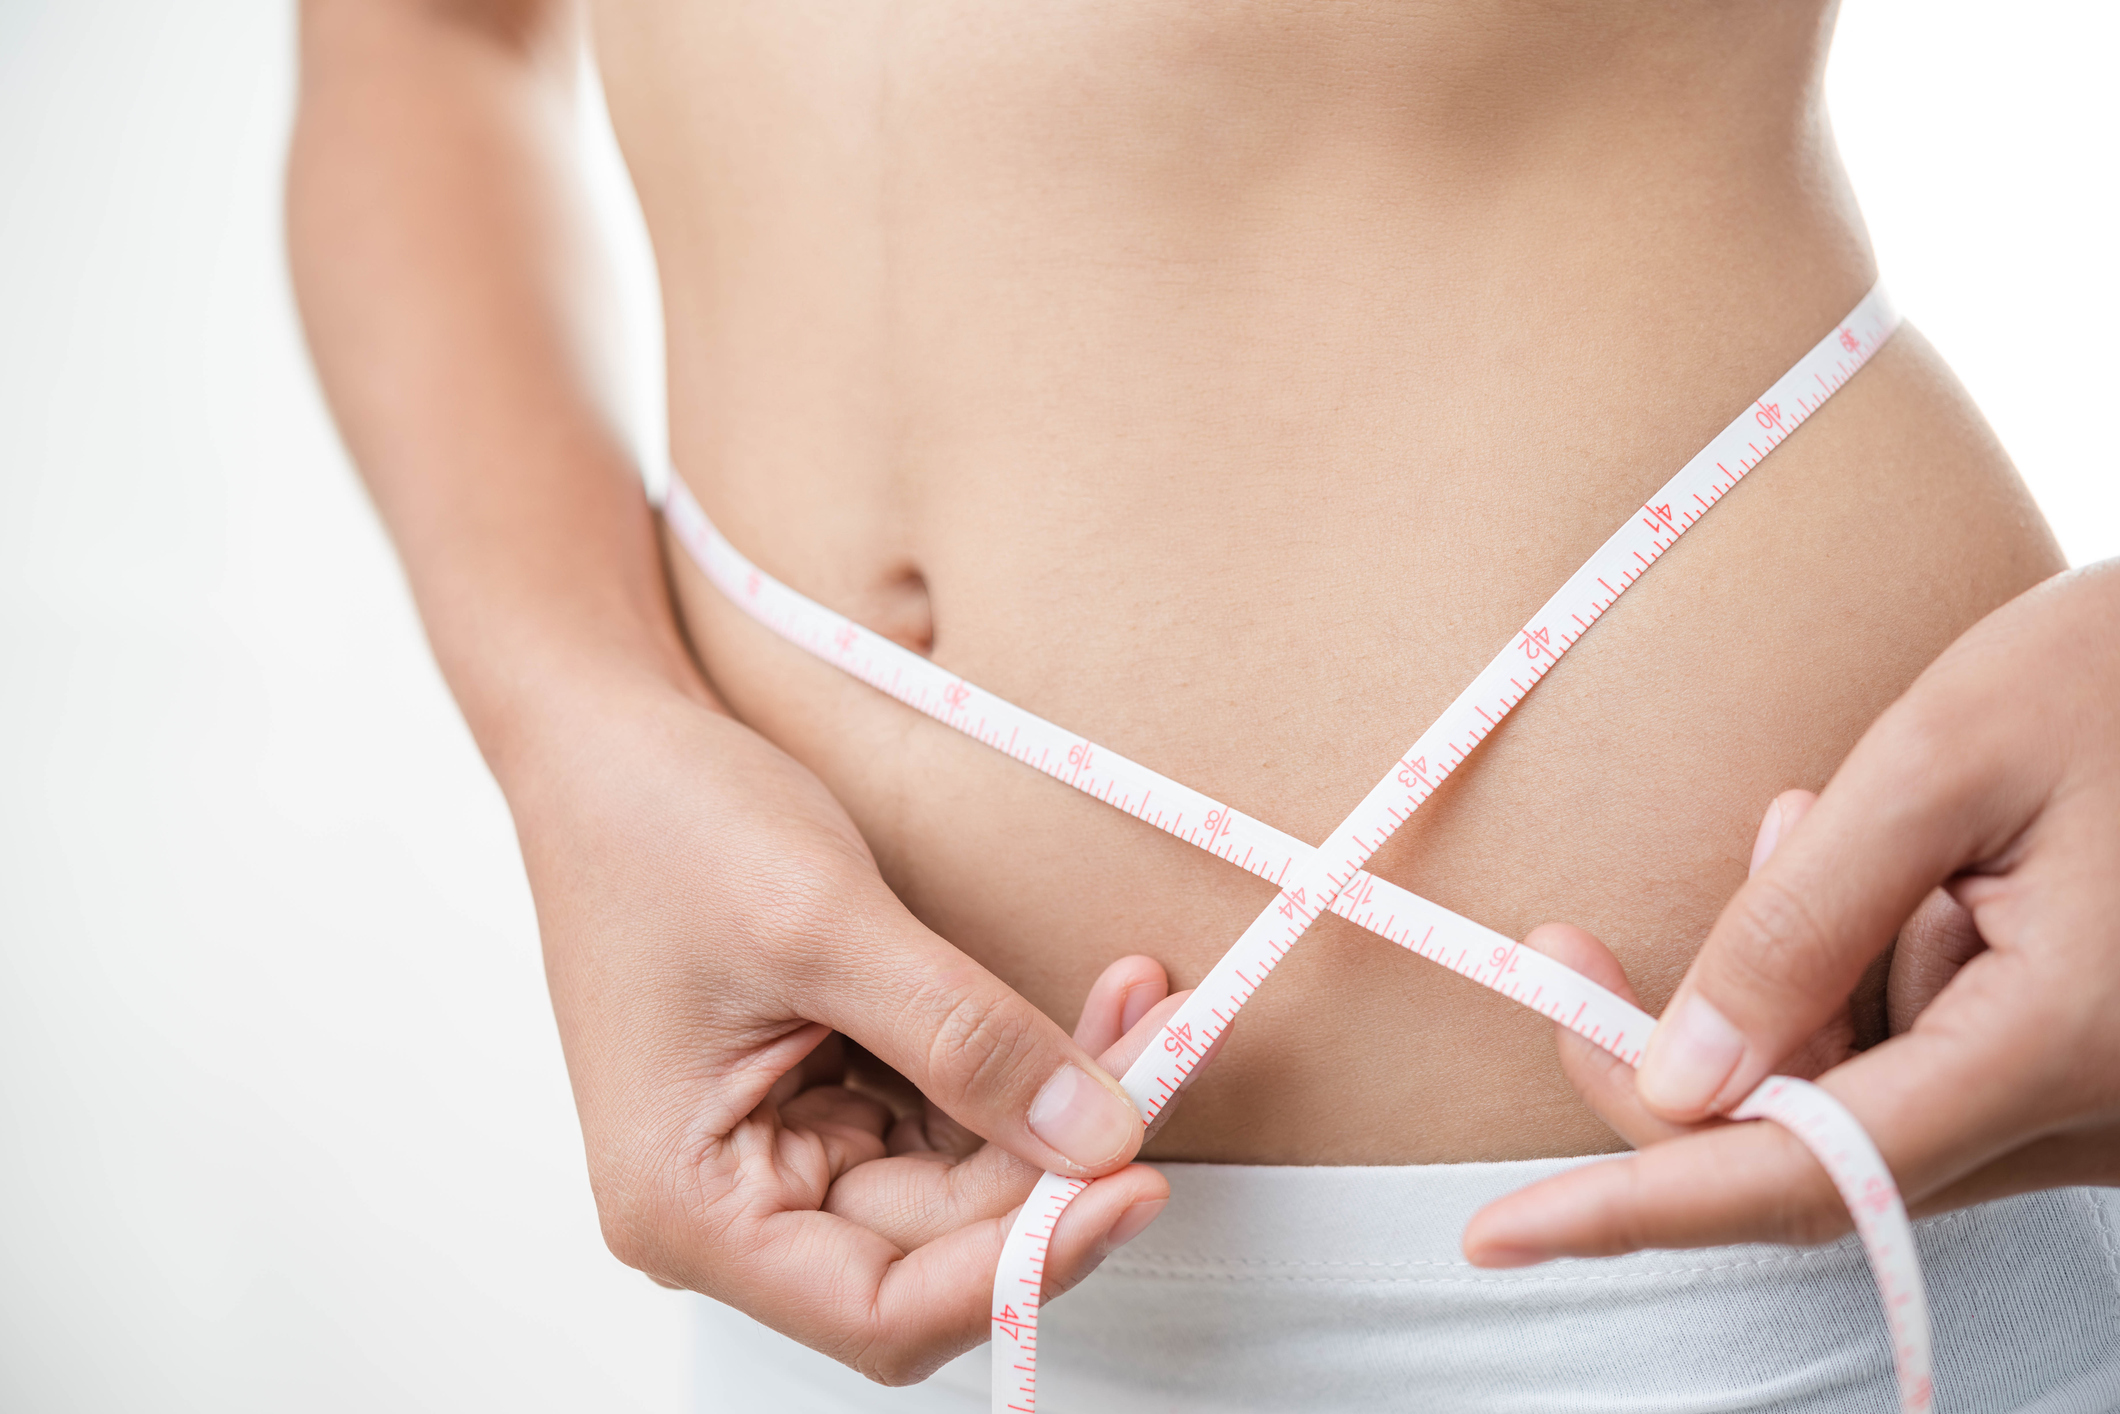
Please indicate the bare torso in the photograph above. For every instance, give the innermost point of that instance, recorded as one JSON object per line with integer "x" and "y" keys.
{"x": 1226, "y": 383}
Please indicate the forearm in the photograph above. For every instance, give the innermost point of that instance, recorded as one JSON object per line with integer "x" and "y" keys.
{"x": 445, "y": 275}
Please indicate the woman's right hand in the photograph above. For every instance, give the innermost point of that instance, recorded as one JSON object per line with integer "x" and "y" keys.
{"x": 713, "y": 927}
{"x": 711, "y": 917}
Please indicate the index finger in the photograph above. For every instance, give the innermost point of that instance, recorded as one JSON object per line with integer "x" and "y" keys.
{"x": 1936, "y": 1109}
{"x": 968, "y": 1041}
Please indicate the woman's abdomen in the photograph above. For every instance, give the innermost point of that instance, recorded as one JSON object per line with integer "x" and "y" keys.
{"x": 1279, "y": 646}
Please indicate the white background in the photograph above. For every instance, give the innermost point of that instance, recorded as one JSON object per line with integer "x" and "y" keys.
{"x": 283, "y": 1123}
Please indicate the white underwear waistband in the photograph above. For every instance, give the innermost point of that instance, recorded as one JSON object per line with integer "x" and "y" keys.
{"x": 1269, "y": 1288}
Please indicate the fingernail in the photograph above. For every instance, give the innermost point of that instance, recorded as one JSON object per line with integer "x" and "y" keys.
{"x": 1691, "y": 1055}
{"x": 1086, "y": 1122}
{"x": 1769, "y": 836}
{"x": 1134, "y": 1221}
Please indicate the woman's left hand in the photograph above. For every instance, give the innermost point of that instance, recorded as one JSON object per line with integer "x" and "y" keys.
{"x": 1978, "y": 823}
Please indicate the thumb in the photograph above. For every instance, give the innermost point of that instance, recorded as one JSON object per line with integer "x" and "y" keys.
{"x": 1917, "y": 800}
{"x": 989, "y": 1058}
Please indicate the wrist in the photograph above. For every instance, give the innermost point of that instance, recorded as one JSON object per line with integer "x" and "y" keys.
{"x": 547, "y": 607}
{"x": 557, "y": 704}
{"x": 545, "y": 656}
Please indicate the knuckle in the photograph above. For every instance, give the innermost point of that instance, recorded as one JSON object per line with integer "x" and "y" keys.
{"x": 1932, "y": 750}
{"x": 650, "y": 1217}
{"x": 977, "y": 1041}
{"x": 1630, "y": 1215}
{"x": 1778, "y": 945}
{"x": 892, "y": 1356}
{"x": 1806, "y": 1210}
{"x": 890, "y": 1363}
{"x": 628, "y": 1225}
{"x": 1809, "y": 1216}
{"x": 1814, "y": 1225}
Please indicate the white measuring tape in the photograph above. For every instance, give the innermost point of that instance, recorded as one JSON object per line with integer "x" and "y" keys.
{"x": 1330, "y": 878}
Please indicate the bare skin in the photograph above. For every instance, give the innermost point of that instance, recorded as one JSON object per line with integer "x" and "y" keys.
{"x": 1224, "y": 388}
{"x": 1233, "y": 413}
{"x": 1978, "y": 824}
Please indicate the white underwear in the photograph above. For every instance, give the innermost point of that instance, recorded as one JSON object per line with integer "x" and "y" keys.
{"x": 1344, "y": 1289}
